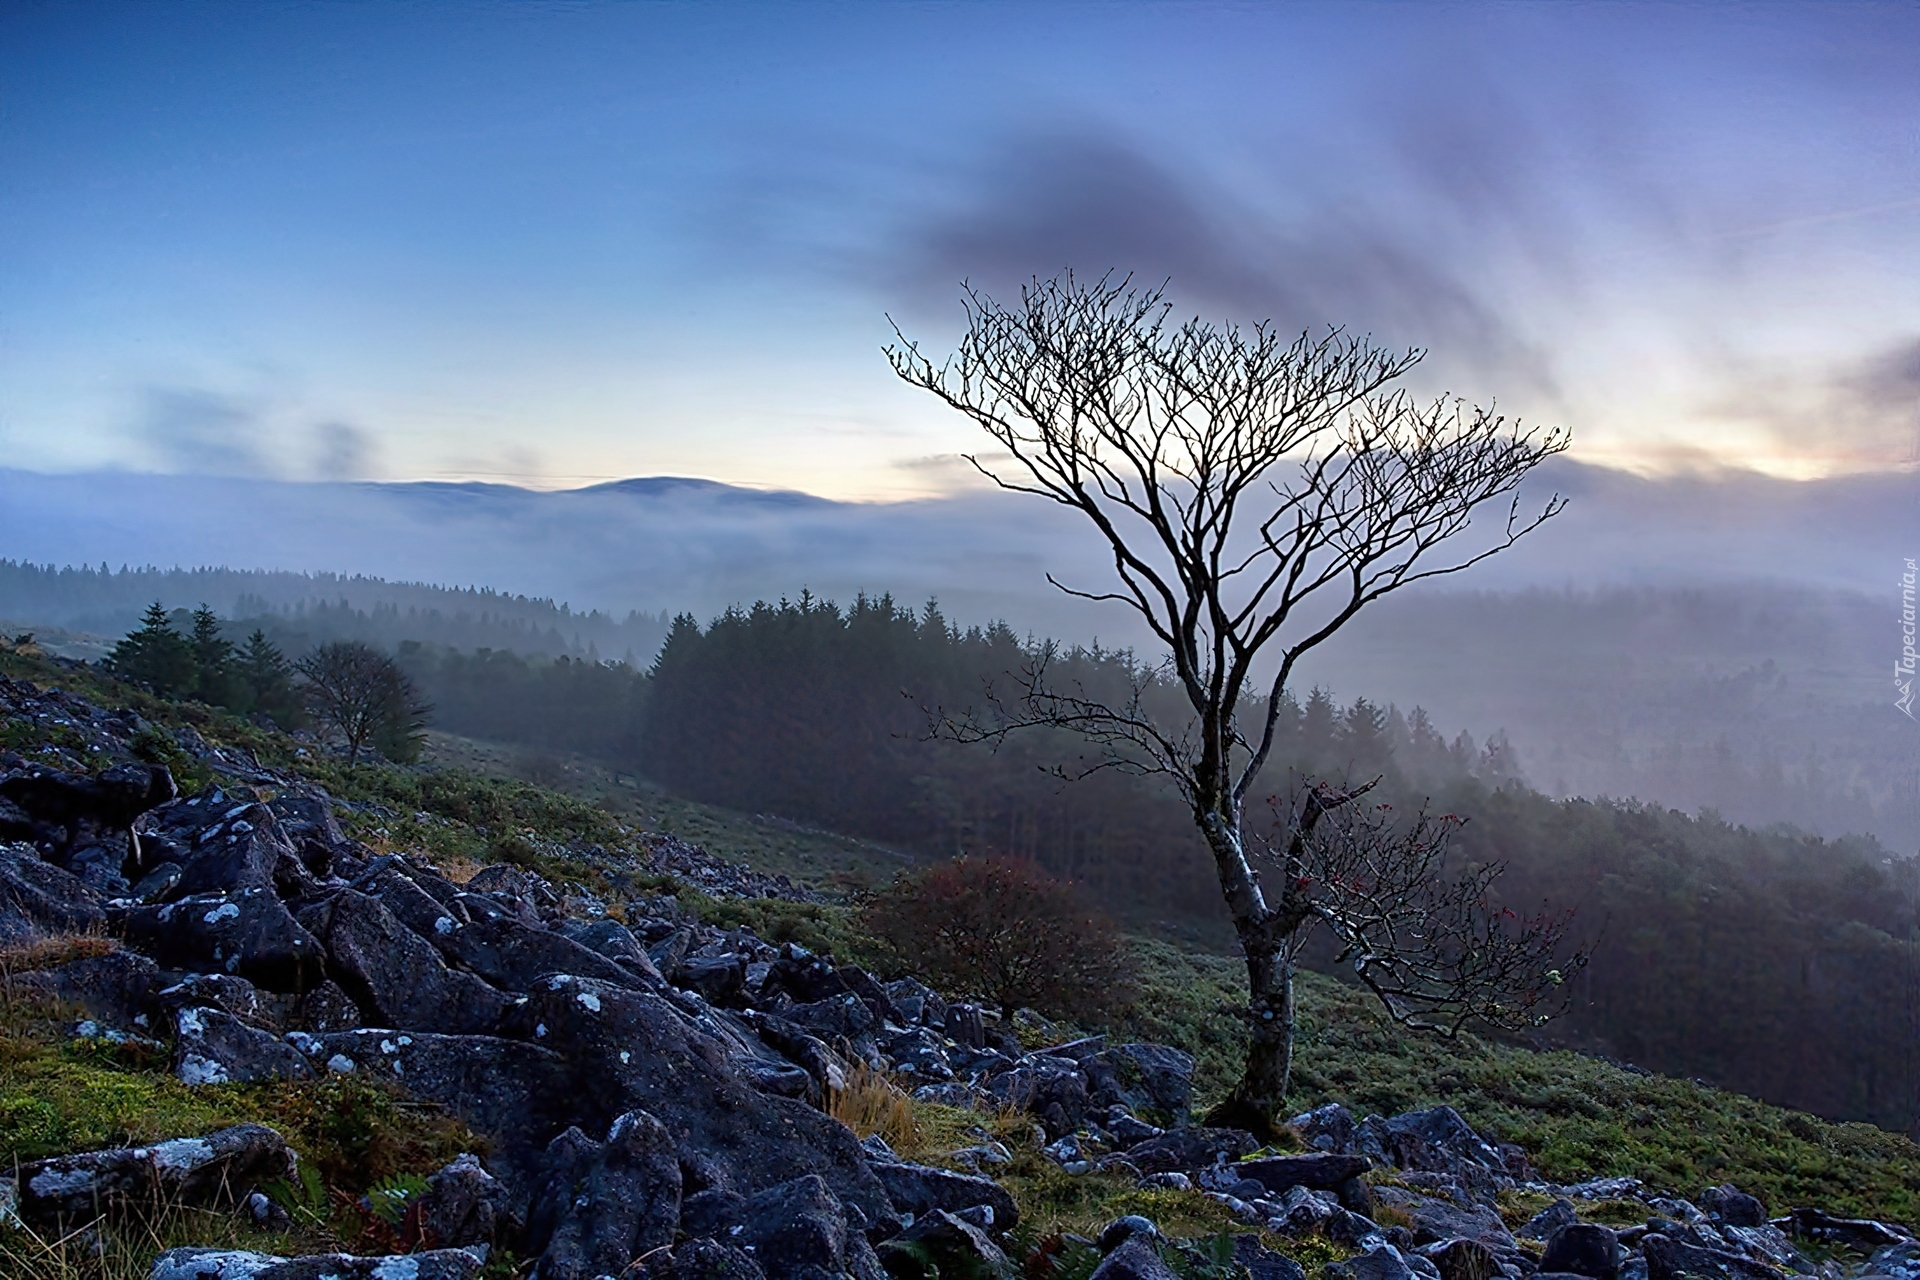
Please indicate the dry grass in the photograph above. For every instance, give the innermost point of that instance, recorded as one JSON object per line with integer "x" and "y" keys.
{"x": 872, "y": 1104}
{"x": 124, "y": 1249}
{"x": 53, "y": 951}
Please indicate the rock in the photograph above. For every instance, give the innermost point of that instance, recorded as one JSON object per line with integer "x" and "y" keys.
{"x": 308, "y": 824}
{"x": 1326, "y": 1128}
{"x": 1322, "y": 1172}
{"x": 214, "y": 1047}
{"x": 1582, "y": 1248}
{"x": 701, "y": 1260}
{"x": 1303, "y": 1211}
{"x": 1051, "y": 1089}
{"x": 1901, "y": 1261}
{"x": 327, "y": 1007}
{"x": 1123, "y": 1229}
{"x": 1136, "y": 1259}
{"x": 1463, "y": 1260}
{"x": 1140, "y": 1077}
{"x": 920, "y": 1053}
{"x": 1432, "y": 1220}
{"x": 1439, "y": 1140}
{"x": 918, "y": 1189}
{"x": 513, "y": 956}
{"x": 1381, "y": 1262}
{"x": 118, "y": 989}
{"x": 616, "y": 942}
{"x": 1862, "y": 1234}
{"x": 463, "y": 1204}
{"x": 1728, "y": 1204}
{"x": 394, "y": 975}
{"x": 235, "y": 1264}
{"x": 248, "y": 932}
{"x": 965, "y": 1026}
{"x": 841, "y": 1017}
{"x": 941, "y": 1244}
{"x": 221, "y": 845}
{"x": 1605, "y": 1189}
{"x": 632, "y": 1050}
{"x": 870, "y": 993}
{"x": 1670, "y": 1259}
{"x": 798, "y": 1230}
{"x": 1549, "y": 1220}
{"x": 1263, "y": 1263}
{"x": 37, "y": 898}
{"x": 804, "y": 976}
{"x": 225, "y": 992}
{"x": 607, "y": 1203}
{"x": 1194, "y": 1148}
{"x": 519, "y": 1094}
{"x": 70, "y": 807}
{"x": 190, "y": 1170}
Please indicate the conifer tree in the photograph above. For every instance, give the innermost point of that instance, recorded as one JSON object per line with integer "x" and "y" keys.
{"x": 266, "y": 677}
{"x": 155, "y": 655}
{"x": 213, "y": 678}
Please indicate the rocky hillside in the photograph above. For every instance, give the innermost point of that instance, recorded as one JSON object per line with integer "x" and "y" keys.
{"x": 263, "y": 1019}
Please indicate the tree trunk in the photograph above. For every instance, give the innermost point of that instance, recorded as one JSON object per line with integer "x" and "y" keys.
{"x": 1263, "y": 1080}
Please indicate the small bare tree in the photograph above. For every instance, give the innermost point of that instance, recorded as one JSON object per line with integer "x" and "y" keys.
{"x": 1255, "y": 491}
{"x": 361, "y": 694}
{"x": 1438, "y": 950}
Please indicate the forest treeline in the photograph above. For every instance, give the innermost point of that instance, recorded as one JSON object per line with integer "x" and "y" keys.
{"x": 1768, "y": 961}
{"x": 315, "y": 608}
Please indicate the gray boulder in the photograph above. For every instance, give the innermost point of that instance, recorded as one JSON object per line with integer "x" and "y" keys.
{"x": 940, "y": 1244}
{"x": 248, "y": 932}
{"x": 237, "y": 1264}
{"x": 919, "y": 1189}
{"x": 187, "y": 1170}
{"x": 211, "y": 1046}
{"x": 1670, "y": 1259}
{"x": 606, "y": 1203}
{"x": 1141, "y": 1077}
{"x": 395, "y": 976}
{"x": 1901, "y": 1261}
{"x": 463, "y": 1204}
{"x": 1198, "y": 1147}
{"x": 798, "y": 1230}
{"x": 1728, "y": 1204}
{"x": 513, "y": 955}
{"x": 1137, "y": 1259}
{"x": 1583, "y": 1248}
{"x": 518, "y": 1094}
{"x": 1321, "y": 1171}
{"x": 118, "y": 989}
{"x": 700, "y": 1259}
{"x": 38, "y": 898}
{"x": 1549, "y": 1220}
{"x": 631, "y": 1050}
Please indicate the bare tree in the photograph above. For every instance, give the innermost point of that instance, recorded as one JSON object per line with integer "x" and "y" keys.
{"x": 1255, "y": 491}
{"x": 361, "y": 694}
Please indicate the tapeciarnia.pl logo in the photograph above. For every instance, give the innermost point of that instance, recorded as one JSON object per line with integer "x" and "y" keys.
{"x": 1903, "y": 669}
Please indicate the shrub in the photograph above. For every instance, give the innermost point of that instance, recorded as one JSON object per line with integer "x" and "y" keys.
{"x": 1002, "y": 929}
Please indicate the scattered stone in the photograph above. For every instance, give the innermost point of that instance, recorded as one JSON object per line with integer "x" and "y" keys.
{"x": 1193, "y": 1148}
{"x": 919, "y": 1189}
{"x": 462, "y": 1205}
{"x": 211, "y": 1046}
{"x": 1121, "y": 1230}
{"x": 191, "y": 1170}
{"x": 1136, "y": 1259}
{"x": 1543, "y": 1224}
{"x": 1728, "y": 1204}
{"x": 943, "y": 1244}
{"x": 235, "y": 1264}
{"x": 1582, "y": 1248}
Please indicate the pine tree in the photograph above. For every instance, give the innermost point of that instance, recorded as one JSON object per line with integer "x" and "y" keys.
{"x": 155, "y": 655}
{"x": 266, "y": 677}
{"x": 213, "y": 680}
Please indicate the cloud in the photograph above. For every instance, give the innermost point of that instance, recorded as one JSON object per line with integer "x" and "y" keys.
{"x": 344, "y": 451}
{"x": 1854, "y": 414}
{"x": 195, "y": 430}
{"x": 1096, "y": 200}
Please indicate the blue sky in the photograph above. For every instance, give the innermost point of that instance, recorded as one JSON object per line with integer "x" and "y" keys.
{"x": 552, "y": 244}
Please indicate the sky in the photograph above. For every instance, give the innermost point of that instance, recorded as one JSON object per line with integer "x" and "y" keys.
{"x": 555, "y": 244}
